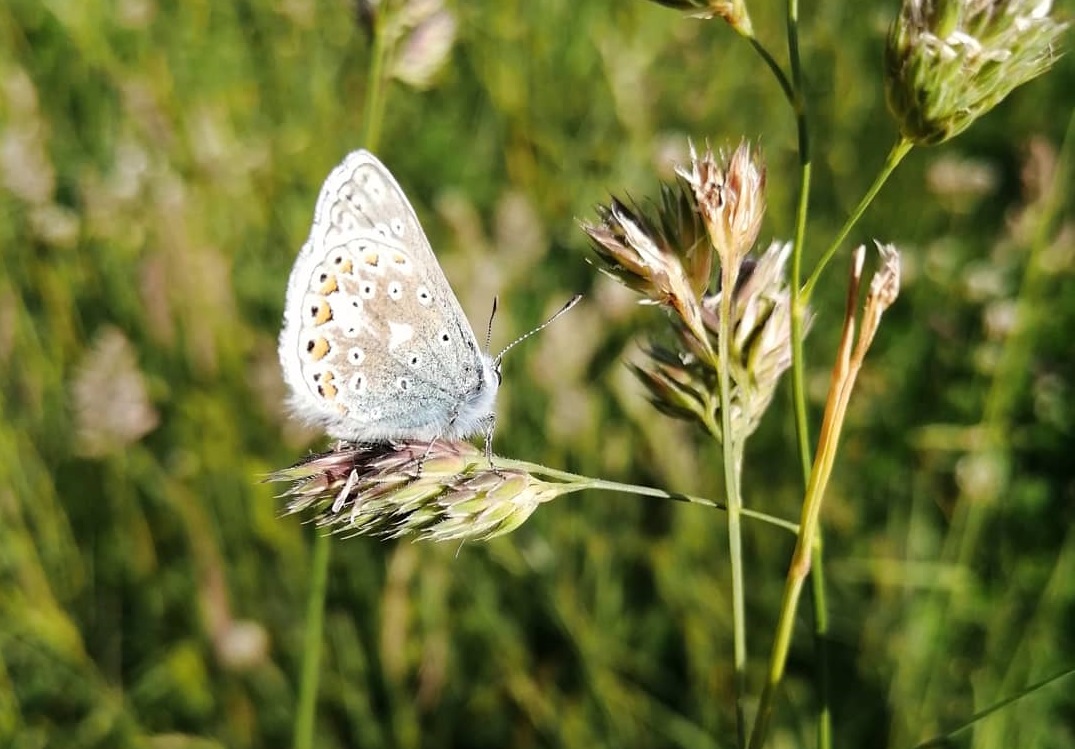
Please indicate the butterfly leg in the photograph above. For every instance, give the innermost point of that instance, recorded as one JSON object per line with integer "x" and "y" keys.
{"x": 421, "y": 459}
{"x": 488, "y": 425}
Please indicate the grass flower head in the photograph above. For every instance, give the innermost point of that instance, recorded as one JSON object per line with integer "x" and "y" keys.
{"x": 444, "y": 491}
{"x": 948, "y": 62}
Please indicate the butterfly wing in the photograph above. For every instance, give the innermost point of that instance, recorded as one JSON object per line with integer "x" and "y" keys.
{"x": 375, "y": 344}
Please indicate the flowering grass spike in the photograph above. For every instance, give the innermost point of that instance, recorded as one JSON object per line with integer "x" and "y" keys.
{"x": 709, "y": 219}
{"x": 948, "y": 62}
{"x": 444, "y": 491}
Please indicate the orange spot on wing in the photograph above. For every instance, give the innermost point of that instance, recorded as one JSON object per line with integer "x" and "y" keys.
{"x": 320, "y": 312}
{"x": 319, "y": 349}
{"x": 329, "y": 285}
{"x": 326, "y": 389}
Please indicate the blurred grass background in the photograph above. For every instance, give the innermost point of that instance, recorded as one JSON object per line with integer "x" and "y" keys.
{"x": 159, "y": 165}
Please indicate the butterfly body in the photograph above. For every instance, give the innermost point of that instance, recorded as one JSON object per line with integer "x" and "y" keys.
{"x": 375, "y": 346}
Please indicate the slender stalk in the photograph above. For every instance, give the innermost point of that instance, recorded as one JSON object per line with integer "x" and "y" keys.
{"x": 895, "y": 156}
{"x": 311, "y": 646}
{"x": 946, "y": 739}
{"x": 322, "y": 550}
{"x": 732, "y": 453}
{"x": 819, "y": 598}
{"x": 774, "y": 68}
{"x": 798, "y": 307}
{"x": 586, "y": 482}
{"x": 844, "y": 373}
{"x": 798, "y": 374}
{"x": 375, "y": 93}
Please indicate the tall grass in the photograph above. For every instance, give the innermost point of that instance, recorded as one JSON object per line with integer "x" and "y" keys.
{"x": 158, "y": 168}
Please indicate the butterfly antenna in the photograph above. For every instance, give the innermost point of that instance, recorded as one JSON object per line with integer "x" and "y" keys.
{"x": 571, "y": 303}
{"x": 489, "y": 330}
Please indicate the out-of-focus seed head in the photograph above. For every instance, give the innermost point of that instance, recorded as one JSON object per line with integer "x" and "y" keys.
{"x": 425, "y": 48}
{"x": 730, "y": 193}
{"x": 948, "y": 62}
{"x": 734, "y": 12}
{"x": 419, "y": 33}
{"x": 446, "y": 491}
{"x": 112, "y": 405}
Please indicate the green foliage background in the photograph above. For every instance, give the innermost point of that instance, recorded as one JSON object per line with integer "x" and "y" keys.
{"x": 159, "y": 165}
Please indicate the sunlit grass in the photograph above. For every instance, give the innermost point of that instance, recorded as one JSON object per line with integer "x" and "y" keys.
{"x": 158, "y": 168}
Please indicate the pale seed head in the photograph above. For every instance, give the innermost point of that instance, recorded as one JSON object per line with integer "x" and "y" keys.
{"x": 730, "y": 192}
{"x": 444, "y": 491}
{"x": 661, "y": 253}
{"x": 948, "y": 62}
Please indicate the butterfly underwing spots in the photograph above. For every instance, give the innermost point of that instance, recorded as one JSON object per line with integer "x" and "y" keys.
{"x": 357, "y": 383}
{"x": 424, "y": 297}
{"x": 403, "y": 384}
{"x": 342, "y": 262}
{"x": 325, "y": 387}
{"x": 382, "y": 230}
{"x": 398, "y": 334}
{"x": 342, "y": 218}
{"x": 356, "y": 355}
{"x": 371, "y": 257}
{"x": 318, "y": 348}
{"x": 397, "y": 226}
{"x": 444, "y": 338}
{"x": 352, "y": 196}
{"x": 400, "y": 260}
{"x": 367, "y": 289}
{"x": 326, "y": 283}
{"x": 373, "y": 185}
{"x": 395, "y": 291}
{"x": 414, "y": 361}
{"x": 319, "y": 311}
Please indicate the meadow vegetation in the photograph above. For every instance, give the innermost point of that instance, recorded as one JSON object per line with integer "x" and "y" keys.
{"x": 159, "y": 164}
